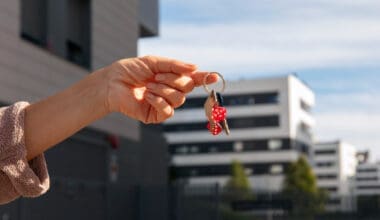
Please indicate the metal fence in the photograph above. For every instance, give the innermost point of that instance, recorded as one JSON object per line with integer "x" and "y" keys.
{"x": 213, "y": 202}
{"x": 85, "y": 200}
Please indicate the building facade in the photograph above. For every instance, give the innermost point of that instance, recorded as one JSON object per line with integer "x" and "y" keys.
{"x": 270, "y": 124}
{"x": 367, "y": 180}
{"x": 47, "y": 45}
{"x": 367, "y": 186}
{"x": 334, "y": 164}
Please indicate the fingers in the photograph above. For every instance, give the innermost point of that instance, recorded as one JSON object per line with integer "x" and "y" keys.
{"x": 183, "y": 83}
{"x": 198, "y": 78}
{"x": 167, "y": 65}
{"x": 172, "y": 96}
{"x": 162, "y": 107}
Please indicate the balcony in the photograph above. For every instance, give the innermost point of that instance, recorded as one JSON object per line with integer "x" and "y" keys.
{"x": 148, "y": 18}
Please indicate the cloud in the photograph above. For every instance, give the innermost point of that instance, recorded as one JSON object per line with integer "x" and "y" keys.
{"x": 251, "y": 38}
{"x": 359, "y": 128}
{"x": 285, "y": 45}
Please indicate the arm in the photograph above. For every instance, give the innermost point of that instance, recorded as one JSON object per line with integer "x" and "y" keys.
{"x": 147, "y": 89}
{"x": 52, "y": 120}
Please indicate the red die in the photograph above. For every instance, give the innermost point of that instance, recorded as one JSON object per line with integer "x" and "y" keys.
{"x": 218, "y": 113}
{"x": 214, "y": 130}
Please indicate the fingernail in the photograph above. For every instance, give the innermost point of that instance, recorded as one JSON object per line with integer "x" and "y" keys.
{"x": 160, "y": 77}
{"x": 189, "y": 65}
{"x": 151, "y": 86}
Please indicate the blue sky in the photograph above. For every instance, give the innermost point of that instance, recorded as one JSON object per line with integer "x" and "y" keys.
{"x": 333, "y": 45}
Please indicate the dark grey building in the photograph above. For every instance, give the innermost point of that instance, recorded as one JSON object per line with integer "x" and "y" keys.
{"x": 105, "y": 170}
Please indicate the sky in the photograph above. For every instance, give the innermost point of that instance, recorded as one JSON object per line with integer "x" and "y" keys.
{"x": 333, "y": 45}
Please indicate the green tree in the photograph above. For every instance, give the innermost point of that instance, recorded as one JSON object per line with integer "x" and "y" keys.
{"x": 238, "y": 186}
{"x": 300, "y": 186}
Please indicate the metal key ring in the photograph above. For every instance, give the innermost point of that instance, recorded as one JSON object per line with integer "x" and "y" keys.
{"x": 205, "y": 80}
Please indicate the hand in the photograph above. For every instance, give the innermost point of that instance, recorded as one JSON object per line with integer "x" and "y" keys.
{"x": 150, "y": 88}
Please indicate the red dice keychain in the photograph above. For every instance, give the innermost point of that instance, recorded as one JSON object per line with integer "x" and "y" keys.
{"x": 215, "y": 112}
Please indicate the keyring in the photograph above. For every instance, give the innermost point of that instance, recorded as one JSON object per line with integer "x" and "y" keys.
{"x": 205, "y": 79}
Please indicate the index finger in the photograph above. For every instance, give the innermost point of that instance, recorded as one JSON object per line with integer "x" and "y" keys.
{"x": 168, "y": 65}
{"x": 198, "y": 78}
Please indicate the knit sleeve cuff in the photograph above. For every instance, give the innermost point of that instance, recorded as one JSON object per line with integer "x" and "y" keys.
{"x": 28, "y": 179}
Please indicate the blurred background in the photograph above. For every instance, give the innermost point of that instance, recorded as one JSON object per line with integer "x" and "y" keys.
{"x": 301, "y": 93}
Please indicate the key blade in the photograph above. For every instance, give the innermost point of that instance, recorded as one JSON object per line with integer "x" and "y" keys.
{"x": 225, "y": 127}
{"x": 210, "y": 102}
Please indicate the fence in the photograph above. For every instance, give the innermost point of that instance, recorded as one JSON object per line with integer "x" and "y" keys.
{"x": 213, "y": 202}
{"x": 85, "y": 200}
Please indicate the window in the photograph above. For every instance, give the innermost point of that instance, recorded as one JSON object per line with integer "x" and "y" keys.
{"x": 325, "y": 164}
{"x": 34, "y": 21}
{"x": 306, "y": 107}
{"x": 243, "y": 122}
{"x": 333, "y": 201}
{"x": 62, "y": 27}
{"x": 274, "y": 144}
{"x": 225, "y": 170}
{"x": 214, "y": 150}
{"x": 194, "y": 172}
{"x": 182, "y": 150}
{"x": 367, "y": 170}
{"x": 276, "y": 169}
{"x": 203, "y": 147}
{"x": 305, "y": 129}
{"x": 367, "y": 178}
{"x": 327, "y": 177}
{"x": 248, "y": 171}
{"x": 238, "y": 146}
{"x": 369, "y": 187}
{"x": 256, "y": 145}
{"x": 194, "y": 149}
{"x": 324, "y": 152}
{"x": 331, "y": 189}
{"x": 234, "y": 100}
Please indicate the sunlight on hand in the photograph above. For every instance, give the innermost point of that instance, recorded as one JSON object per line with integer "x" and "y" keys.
{"x": 138, "y": 93}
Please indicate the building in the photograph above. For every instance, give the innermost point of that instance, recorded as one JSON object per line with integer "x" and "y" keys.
{"x": 334, "y": 164}
{"x": 367, "y": 187}
{"x": 362, "y": 157}
{"x": 45, "y": 46}
{"x": 367, "y": 181}
{"x": 270, "y": 124}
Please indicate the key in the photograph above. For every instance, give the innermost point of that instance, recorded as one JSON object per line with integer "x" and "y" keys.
{"x": 224, "y": 122}
{"x": 213, "y": 126}
{"x": 209, "y": 104}
{"x": 214, "y": 110}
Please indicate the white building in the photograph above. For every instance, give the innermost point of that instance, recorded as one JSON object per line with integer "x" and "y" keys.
{"x": 270, "y": 124}
{"x": 367, "y": 181}
{"x": 334, "y": 164}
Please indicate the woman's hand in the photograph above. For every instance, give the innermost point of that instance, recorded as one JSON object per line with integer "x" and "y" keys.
{"x": 147, "y": 89}
{"x": 150, "y": 88}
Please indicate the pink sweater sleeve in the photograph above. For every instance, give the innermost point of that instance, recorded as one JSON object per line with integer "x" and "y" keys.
{"x": 18, "y": 177}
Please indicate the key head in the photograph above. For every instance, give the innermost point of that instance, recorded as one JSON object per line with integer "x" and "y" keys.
{"x": 219, "y": 98}
{"x": 209, "y": 104}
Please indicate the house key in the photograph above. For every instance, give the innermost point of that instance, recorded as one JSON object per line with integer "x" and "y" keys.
{"x": 214, "y": 110}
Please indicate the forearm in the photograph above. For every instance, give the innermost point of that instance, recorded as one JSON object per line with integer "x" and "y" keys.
{"x": 57, "y": 117}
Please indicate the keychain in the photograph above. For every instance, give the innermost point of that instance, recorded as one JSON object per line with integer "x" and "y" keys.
{"x": 215, "y": 112}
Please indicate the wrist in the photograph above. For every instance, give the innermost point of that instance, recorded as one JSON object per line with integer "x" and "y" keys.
{"x": 111, "y": 83}
{"x": 98, "y": 86}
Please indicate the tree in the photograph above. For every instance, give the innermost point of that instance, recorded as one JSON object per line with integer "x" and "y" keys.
{"x": 300, "y": 186}
{"x": 238, "y": 186}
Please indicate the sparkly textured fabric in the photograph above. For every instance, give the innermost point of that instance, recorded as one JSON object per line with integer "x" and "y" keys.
{"x": 18, "y": 177}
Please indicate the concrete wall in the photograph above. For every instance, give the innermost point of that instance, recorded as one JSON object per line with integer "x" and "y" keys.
{"x": 30, "y": 73}
{"x": 80, "y": 166}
